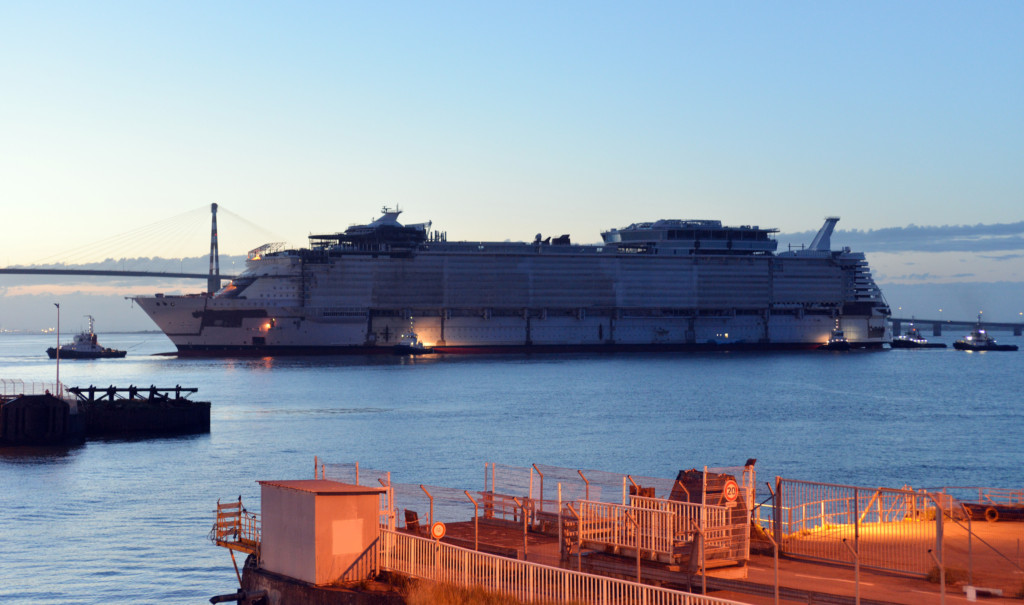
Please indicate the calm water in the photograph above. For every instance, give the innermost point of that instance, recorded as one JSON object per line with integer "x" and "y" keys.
{"x": 127, "y": 520}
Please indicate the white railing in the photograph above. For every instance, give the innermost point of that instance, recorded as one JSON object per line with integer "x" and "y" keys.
{"x": 651, "y": 525}
{"x": 529, "y": 582}
{"x": 687, "y": 515}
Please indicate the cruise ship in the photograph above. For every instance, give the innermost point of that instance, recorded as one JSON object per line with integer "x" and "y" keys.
{"x": 667, "y": 285}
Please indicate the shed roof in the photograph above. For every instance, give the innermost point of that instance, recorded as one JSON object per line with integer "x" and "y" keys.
{"x": 323, "y": 487}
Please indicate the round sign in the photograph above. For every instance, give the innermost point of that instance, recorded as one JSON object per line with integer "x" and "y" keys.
{"x": 732, "y": 491}
{"x": 437, "y": 530}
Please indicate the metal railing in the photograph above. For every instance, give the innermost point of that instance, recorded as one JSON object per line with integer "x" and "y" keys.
{"x": 529, "y": 582}
{"x": 651, "y": 525}
{"x": 13, "y": 388}
{"x": 236, "y": 528}
{"x": 990, "y": 495}
{"x": 685, "y": 515}
{"x": 889, "y": 529}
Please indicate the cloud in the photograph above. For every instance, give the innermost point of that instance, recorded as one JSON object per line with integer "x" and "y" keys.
{"x": 997, "y": 237}
{"x": 925, "y": 277}
{"x": 1002, "y": 257}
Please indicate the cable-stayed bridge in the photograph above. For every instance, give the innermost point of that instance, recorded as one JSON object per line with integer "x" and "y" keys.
{"x": 213, "y": 276}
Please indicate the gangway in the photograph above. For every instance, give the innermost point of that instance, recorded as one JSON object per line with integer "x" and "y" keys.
{"x": 236, "y": 529}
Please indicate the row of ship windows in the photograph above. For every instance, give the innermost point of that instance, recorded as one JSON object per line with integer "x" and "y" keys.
{"x": 719, "y": 235}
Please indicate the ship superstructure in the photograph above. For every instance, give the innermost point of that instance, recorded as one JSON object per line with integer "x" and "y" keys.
{"x": 663, "y": 285}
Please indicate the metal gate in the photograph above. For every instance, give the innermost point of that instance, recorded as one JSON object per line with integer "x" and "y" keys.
{"x": 887, "y": 529}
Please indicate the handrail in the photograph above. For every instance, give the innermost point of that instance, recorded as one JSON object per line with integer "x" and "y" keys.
{"x": 529, "y": 582}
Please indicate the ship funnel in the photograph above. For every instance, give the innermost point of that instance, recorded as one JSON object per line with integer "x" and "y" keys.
{"x": 823, "y": 240}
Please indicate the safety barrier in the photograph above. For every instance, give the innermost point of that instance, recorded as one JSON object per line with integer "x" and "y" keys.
{"x": 14, "y": 388}
{"x": 529, "y": 582}
{"x": 887, "y": 529}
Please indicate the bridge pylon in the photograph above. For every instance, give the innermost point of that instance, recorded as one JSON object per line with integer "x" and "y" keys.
{"x": 213, "y": 282}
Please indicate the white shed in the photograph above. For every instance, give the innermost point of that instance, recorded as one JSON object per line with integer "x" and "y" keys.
{"x": 319, "y": 531}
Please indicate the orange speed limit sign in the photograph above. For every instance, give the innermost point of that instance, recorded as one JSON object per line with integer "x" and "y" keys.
{"x": 732, "y": 491}
{"x": 437, "y": 530}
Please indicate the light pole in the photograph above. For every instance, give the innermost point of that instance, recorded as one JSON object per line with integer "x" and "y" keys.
{"x": 58, "y": 346}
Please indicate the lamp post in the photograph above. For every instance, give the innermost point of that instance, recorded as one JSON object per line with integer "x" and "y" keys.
{"x": 57, "y": 386}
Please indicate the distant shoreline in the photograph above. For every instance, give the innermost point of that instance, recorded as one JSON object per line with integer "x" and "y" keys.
{"x": 46, "y": 333}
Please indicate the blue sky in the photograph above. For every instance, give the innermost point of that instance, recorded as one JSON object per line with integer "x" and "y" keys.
{"x": 501, "y": 120}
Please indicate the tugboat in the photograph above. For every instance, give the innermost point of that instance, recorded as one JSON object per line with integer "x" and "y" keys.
{"x": 979, "y": 340}
{"x": 409, "y": 344}
{"x": 84, "y": 346}
{"x": 913, "y": 340}
{"x": 836, "y": 342}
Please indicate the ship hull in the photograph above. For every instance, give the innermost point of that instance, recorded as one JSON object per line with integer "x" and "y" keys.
{"x": 105, "y": 354}
{"x": 376, "y": 331}
{"x": 916, "y": 344}
{"x": 960, "y": 346}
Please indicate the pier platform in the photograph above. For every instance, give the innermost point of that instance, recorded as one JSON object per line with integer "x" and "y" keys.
{"x": 838, "y": 544}
{"x": 43, "y": 418}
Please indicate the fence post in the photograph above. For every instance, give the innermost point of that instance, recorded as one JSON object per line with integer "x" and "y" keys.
{"x": 431, "y": 504}
{"x": 775, "y": 547}
{"x": 856, "y": 519}
{"x": 631, "y": 516}
{"x": 560, "y": 515}
{"x": 942, "y": 576}
{"x": 530, "y": 495}
{"x": 586, "y": 483}
{"x": 476, "y": 519}
{"x": 579, "y": 536}
{"x": 856, "y": 570}
{"x": 970, "y": 554}
{"x": 541, "y": 487}
{"x": 777, "y": 510}
{"x": 522, "y": 507}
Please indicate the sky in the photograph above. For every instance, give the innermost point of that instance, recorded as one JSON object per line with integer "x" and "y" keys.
{"x": 499, "y": 120}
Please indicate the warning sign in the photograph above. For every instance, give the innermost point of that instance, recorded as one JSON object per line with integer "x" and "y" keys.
{"x": 731, "y": 491}
{"x": 437, "y": 530}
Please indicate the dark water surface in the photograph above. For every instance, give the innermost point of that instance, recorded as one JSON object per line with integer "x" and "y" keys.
{"x": 127, "y": 520}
